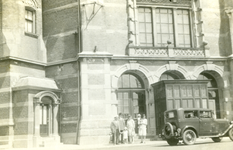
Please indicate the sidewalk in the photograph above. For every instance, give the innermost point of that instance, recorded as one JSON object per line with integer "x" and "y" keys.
{"x": 136, "y": 143}
{"x": 83, "y": 147}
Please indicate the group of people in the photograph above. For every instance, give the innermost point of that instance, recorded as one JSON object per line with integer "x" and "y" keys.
{"x": 123, "y": 131}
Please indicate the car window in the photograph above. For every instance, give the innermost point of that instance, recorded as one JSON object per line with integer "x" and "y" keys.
{"x": 205, "y": 114}
{"x": 170, "y": 115}
{"x": 190, "y": 114}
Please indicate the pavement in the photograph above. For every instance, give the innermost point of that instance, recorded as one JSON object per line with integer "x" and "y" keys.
{"x": 102, "y": 146}
{"x": 83, "y": 147}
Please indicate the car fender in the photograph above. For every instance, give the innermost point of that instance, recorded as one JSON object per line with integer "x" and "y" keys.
{"x": 189, "y": 127}
{"x": 230, "y": 127}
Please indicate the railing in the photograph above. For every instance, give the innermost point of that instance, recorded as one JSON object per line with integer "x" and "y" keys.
{"x": 165, "y": 52}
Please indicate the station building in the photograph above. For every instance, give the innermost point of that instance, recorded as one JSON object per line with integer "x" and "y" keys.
{"x": 68, "y": 67}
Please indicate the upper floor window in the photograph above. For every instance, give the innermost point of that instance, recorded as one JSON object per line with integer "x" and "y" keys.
{"x": 159, "y": 25}
{"x": 29, "y": 21}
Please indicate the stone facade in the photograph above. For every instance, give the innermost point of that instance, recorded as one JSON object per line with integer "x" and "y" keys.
{"x": 72, "y": 67}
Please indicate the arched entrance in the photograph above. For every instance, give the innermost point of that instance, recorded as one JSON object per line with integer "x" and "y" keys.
{"x": 46, "y": 105}
{"x": 46, "y": 115}
{"x": 131, "y": 95}
{"x": 213, "y": 92}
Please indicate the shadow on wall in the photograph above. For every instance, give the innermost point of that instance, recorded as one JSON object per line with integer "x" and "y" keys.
{"x": 224, "y": 41}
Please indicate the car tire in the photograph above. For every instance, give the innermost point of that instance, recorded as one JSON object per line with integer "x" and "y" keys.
{"x": 217, "y": 139}
{"x": 168, "y": 130}
{"x": 189, "y": 137}
{"x": 230, "y": 133}
{"x": 172, "y": 142}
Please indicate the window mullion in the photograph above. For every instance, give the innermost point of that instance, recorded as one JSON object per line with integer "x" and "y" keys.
{"x": 33, "y": 22}
{"x": 190, "y": 30}
{"x": 175, "y": 32}
{"x": 154, "y": 32}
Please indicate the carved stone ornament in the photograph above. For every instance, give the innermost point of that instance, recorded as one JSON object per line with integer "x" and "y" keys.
{"x": 229, "y": 12}
{"x": 31, "y": 3}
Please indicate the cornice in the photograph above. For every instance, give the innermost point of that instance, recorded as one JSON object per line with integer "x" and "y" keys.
{"x": 23, "y": 60}
{"x": 171, "y": 58}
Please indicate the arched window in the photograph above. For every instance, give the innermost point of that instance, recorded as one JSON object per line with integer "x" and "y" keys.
{"x": 46, "y": 116}
{"x": 131, "y": 95}
{"x": 129, "y": 81}
{"x": 213, "y": 92}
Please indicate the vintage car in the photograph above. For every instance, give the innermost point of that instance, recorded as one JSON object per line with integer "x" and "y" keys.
{"x": 189, "y": 124}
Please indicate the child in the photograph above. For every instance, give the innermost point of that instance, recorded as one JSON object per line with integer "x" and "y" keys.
{"x": 125, "y": 135}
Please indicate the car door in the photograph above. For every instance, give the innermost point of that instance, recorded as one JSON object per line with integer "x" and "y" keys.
{"x": 206, "y": 123}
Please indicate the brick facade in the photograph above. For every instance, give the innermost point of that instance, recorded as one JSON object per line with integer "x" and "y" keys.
{"x": 73, "y": 61}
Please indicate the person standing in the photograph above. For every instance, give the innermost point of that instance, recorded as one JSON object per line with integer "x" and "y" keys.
{"x": 115, "y": 130}
{"x": 137, "y": 120}
{"x": 142, "y": 128}
{"x": 131, "y": 128}
{"x": 121, "y": 127}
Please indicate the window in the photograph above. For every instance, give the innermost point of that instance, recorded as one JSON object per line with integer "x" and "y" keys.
{"x": 159, "y": 25}
{"x": 44, "y": 114}
{"x": 29, "y": 21}
{"x": 190, "y": 114}
{"x": 129, "y": 81}
{"x": 170, "y": 115}
{"x": 205, "y": 114}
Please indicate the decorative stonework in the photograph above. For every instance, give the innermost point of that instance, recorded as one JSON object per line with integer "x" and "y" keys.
{"x": 210, "y": 67}
{"x": 31, "y": 3}
{"x": 37, "y": 98}
{"x": 176, "y": 67}
{"x": 165, "y": 52}
{"x": 229, "y": 11}
{"x": 184, "y": 2}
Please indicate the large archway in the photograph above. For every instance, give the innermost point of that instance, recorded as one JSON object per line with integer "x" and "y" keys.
{"x": 214, "y": 91}
{"x": 131, "y": 94}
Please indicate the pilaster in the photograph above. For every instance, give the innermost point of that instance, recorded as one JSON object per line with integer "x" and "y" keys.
{"x": 96, "y": 97}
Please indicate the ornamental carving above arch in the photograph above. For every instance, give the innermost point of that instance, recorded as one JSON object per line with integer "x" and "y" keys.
{"x": 131, "y": 66}
{"x": 31, "y": 3}
{"x": 38, "y": 97}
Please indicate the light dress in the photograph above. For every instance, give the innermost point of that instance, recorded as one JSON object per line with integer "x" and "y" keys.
{"x": 142, "y": 127}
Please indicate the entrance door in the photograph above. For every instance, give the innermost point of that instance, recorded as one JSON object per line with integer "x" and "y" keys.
{"x": 44, "y": 120}
{"x": 131, "y": 95}
{"x": 131, "y": 103}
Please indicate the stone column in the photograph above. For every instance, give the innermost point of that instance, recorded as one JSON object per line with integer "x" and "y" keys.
{"x": 229, "y": 12}
{"x": 55, "y": 122}
{"x": 36, "y": 135}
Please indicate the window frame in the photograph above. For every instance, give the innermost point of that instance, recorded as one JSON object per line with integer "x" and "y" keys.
{"x": 175, "y": 25}
{"x": 32, "y": 33}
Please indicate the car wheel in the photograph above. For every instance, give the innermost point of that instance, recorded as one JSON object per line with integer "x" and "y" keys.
{"x": 189, "y": 137}
{"x": 172, "y": 142}
{"x": 230, "y": 133}
{"x": 217, "y": 139}
{"x": 168, "y": 130}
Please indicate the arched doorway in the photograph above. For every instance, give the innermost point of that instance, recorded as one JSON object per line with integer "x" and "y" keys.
{"x": 46, "y": 105}
{"x": 46, "y": 116}
{"x": 213, "y": 92}
{"x": 131, "y": 95}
